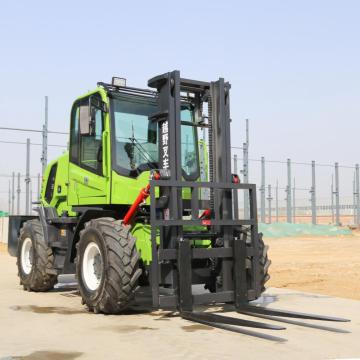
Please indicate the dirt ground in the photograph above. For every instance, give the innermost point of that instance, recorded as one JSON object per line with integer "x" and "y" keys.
{"x": 54, "y": 325}
{"x": 323, "y": 265}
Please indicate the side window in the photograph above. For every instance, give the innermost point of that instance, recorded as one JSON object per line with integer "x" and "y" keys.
{"x": 90, "y": 144}
{"x": 74, "y": 134}
{"x": 49, "y": 191}
{"x": 86, "y": 134}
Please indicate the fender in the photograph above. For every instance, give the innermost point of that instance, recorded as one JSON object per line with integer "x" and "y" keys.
{"x": 86, "y": 214}
{"x": 15, "y": 224}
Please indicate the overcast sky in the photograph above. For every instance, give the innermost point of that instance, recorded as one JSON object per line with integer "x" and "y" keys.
{"x": 293, "y": 66}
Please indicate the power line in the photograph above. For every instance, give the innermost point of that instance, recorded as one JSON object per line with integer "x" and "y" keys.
{"x": 33, "y": 130}
{"x": 24, "y": 143}
{"x": 299, "y": 163}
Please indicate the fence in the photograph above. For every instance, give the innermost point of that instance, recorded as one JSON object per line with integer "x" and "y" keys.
{"x": 20, "y": 196}
{"x": 292, "y": 196}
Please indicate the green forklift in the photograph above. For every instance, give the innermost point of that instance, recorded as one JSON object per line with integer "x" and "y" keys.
{"x": 145, "y": 197}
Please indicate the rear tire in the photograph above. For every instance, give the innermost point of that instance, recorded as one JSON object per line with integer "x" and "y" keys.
{"x": 107, "y": 266}
{"x": 35, "y": 259}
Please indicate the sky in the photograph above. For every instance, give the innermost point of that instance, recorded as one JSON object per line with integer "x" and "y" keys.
{"x": 293, "y": 66}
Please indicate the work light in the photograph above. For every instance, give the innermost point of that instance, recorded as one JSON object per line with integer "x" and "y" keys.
{"x": 117, "y": 81}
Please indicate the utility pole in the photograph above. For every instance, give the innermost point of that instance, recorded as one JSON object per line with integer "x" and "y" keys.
{"x": 337, "y": 197}
{"x": 354, "y": 199}
{"x": 313, "y": 193}
{"x": 269, "y": 204}
{"x": 357, "y": 187}
{"x": 277, "y": 200}
{"x": 262, "y": 191}
{"x": 27, "y": 177}
{"x": 45, "y": 137}
{"x": 235, "y": 164}
{"x": 38, "y": 187}
{"x": 30, "y": 200}
{"x": 288, "y": 192}
{"x": 236, "y": 204}
{"x": 18, "y": 195}
{"x": 13, "y": 194}
{"x": 9, "y": 198}
{"x": 245, "y": 171}
{"x": 294, "y": 204}
{"x": 332, "y": 200}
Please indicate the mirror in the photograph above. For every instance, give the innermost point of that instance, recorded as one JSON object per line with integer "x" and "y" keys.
{"x": 88, "y": 111}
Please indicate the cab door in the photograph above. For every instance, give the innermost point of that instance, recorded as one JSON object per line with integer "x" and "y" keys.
{"x": 88, "y": 184}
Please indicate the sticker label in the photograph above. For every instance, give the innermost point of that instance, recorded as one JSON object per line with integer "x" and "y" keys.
{"x": 165, "y": 145}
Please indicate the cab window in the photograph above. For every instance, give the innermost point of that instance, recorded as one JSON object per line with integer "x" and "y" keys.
{"x": 86, "y": 135}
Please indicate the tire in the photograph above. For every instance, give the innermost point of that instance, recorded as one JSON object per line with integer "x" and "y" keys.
{"x": 214, "y": 283}
{"x": 264, "y": 263}
{"x": 35, "y": 259}
{"x": 107, "y": 266}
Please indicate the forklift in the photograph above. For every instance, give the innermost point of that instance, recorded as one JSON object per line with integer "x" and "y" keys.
{"x": 145, "y": 197}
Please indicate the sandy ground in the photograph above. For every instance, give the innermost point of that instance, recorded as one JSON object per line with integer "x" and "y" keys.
{"x": 324, "y": 265}
{"x": 55, "y": 325}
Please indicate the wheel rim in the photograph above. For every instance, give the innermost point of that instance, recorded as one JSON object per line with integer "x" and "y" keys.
{"x": 92, "y": 269}
{"x": 26, "y": 256}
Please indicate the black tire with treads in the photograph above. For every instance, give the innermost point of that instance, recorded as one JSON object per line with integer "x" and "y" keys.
{"x": 120, "y": 265}
{"x": 42, "y": 276}
{"x": 265, "y": 263}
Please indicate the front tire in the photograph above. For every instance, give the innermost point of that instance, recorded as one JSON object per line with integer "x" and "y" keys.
{"x": 35, "y": 259}
{"x": 107, "y": 266}
{"x": 265, "y": 263}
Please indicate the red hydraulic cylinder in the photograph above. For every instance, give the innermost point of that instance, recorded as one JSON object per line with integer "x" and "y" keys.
{"x": 143, "y": 195}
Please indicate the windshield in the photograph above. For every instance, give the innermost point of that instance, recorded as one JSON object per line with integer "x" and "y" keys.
{"x": 136, "y": 148}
